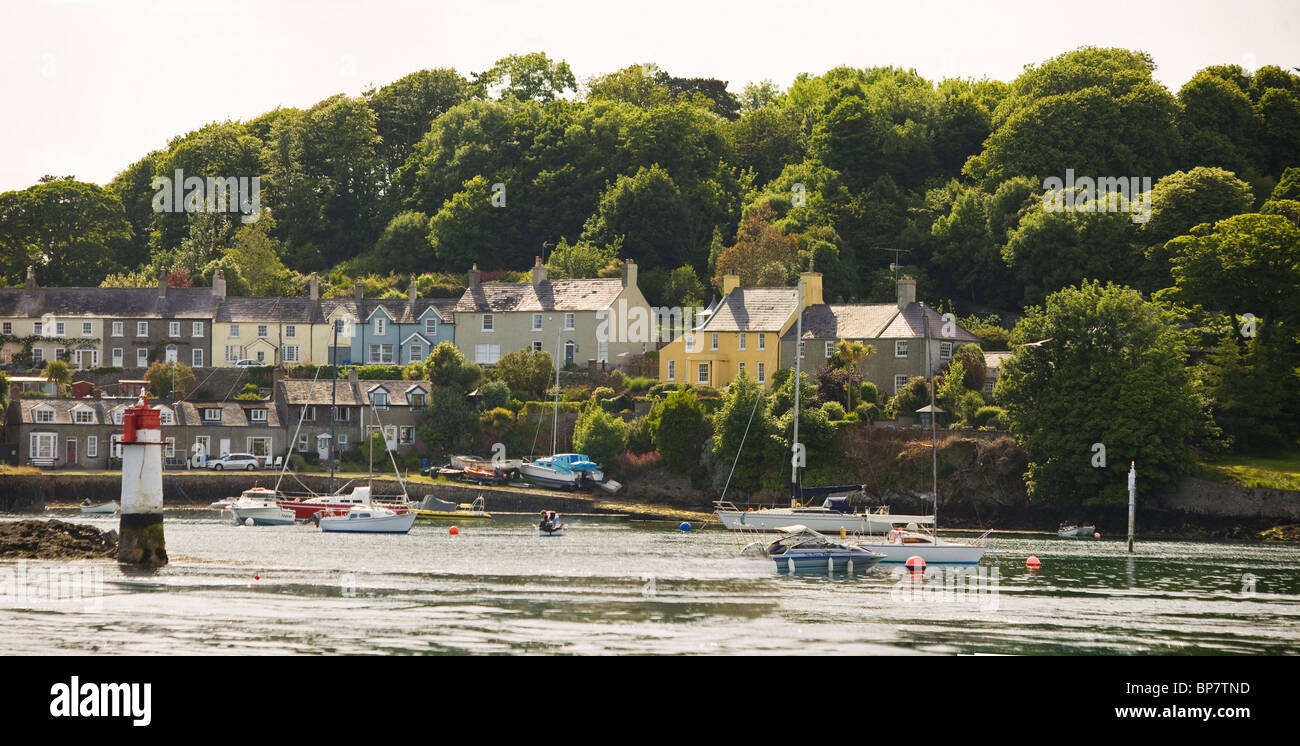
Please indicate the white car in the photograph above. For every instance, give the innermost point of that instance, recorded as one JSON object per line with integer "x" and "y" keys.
{"x": 246, "y": 363}
{"x": 245, "y": 461}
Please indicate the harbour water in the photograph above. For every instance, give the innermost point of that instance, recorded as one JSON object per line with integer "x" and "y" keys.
{"x": 629, "y": 587}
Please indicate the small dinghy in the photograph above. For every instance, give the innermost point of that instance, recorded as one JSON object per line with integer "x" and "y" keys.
{"x": 368, "y": 519}
{"x": 1072, "y": 530}
{"x": 108, "y": 508}
{"x": 550, "y": 524}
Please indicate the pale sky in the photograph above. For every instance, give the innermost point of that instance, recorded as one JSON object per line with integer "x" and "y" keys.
{"x": 90, "y": 87}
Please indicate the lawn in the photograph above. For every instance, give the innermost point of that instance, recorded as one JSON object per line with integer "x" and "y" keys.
{"x": 1276, "y": 471}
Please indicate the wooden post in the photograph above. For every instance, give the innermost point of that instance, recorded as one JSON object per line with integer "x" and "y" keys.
{"x": 1132, "y": 501}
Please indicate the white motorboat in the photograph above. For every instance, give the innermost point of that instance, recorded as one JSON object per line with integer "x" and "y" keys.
{"x": 258, "y": 507}
{"x": 830, "y": 517}
{"x": 108, "y": 508}
{"x": 900, "y": 544}
{"x": 802, "y": 549}
{"x": 368, "y": 520}
{"x": 546, "y": 473}
{"x": 1071, "y": 530}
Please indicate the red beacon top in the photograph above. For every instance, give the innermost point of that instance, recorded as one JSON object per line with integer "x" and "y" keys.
{"x": 140, "y": 417}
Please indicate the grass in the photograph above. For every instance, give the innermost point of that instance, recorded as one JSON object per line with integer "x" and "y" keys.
{"x": 1275, "y": 471}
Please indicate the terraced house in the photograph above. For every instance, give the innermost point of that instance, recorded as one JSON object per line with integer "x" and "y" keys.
{"x": 391, "y": 331}
{"x": 394, "y": 408}
{"x": 272, "y": 331}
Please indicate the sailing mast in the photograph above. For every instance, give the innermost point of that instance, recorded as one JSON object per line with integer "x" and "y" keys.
{"x": 555, "y": 417}
{"x": 798, "y": 370}
{"x": 934, "y": 450}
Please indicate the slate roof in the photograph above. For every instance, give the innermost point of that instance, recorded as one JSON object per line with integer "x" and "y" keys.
{"x": 994, "y": 360}
{"x": 398, "y": 309}
{"x": 296, "y": 310}
{"x": 62, "y": 410}
{"x": 179, "y": 303}
{"x": 753, "y": 310}
{"x": 296, "y": 392}
{"x": 233, "y": 414}
{"x": 550, "y": 295}
{"x": 874, "y": 321}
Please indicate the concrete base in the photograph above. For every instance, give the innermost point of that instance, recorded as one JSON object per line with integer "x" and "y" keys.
{"x": 141, "y": 541}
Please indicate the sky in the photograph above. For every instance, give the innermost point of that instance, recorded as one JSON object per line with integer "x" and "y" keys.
{"x": 90, "y": 87}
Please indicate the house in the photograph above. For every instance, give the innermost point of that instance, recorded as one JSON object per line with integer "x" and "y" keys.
{"x": 575, "y": 319}
{"x": 360, "y": 406}
{"x": 272, "y": 331}
{"x": 391, "y": 331}
{"x": 993, "y": 368}
{"x": 741, "y": 333}
{"x": 60, "y": 432}
{"x": 898, "y": 333}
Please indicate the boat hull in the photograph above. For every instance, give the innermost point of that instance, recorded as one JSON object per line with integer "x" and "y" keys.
{"x": 107, "y": 508}
{"x": 933, "y": 554}
{"x": 304, "y": 510}
{"x": 385, "y": 524}
{"x": 1078, "y": 532}
{"x": 557, "y": 531}
{"x": 450, "y": 515}
{"x": 828, "y": 522}
{"x": 266, "y": 516}
{"x": 550, "y": 477}
{"x": 820, "y": 560}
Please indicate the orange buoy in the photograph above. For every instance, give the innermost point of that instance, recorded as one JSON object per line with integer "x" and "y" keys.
{"x": 1033, "y": 563}
{"x": 1096, "y": 535}
{"x": 453, "y": 531}
{"x": 915, "y": 563}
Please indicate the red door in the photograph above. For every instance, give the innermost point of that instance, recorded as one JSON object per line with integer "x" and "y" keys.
{"x": 72, "y": 453}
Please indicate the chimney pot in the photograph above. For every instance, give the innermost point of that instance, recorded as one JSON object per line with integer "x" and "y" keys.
{"x": 475, "y": 276}
{"x": 162, "y": 284}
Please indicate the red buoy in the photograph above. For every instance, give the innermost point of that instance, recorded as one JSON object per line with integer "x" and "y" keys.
{"x": 915, "y": 563}
{"x": 1096, "y": 535}
{"x": 1033, "y": 563}
{"x": 453, "y": 531}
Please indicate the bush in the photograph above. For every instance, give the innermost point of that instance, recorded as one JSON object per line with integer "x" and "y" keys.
{"x": 680, "y": 431}
{"x": 576, "y": 392}
{"x": 660, "y": 390}
{"x": 911, "y": 397}
{"x": 379, "y": 372}
{"x": 163, "y": 377}
{"x": 870, "y": 394}
{"x": 641, "y": 435}
{"x": 600, "y": 435}
{"x": 601, "y": 393}
{"x": 494, "y": 394}
{"x": 706, "y": 392}
{"x": 250, "y": 392}
{"x": 631, "y": 463}
{"x": 833, "y": 410}
{"x": 990, "y": 417}
{"x": 618, "y": 379}
{"x": 642, "y": 383}
{"x": 867, "y": 412}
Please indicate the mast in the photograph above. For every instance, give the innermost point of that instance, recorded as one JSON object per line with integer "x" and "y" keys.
{"x": 555, "y": 417}
{"x": 334, "y": 385}
{"x": 798, "y": 371}
{"x": 934, "y": 449}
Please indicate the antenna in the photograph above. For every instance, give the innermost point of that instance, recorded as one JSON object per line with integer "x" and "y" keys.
{"x": 894, "y": 266}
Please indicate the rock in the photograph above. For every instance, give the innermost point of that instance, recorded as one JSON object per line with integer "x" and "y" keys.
{"x": 53, "y": 539}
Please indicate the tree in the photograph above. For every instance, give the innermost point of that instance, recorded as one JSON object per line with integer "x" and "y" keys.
{"x": 165, "y": 378}
{"x": 469, "y": 226}
{"x": 1106, "y": 371}
{"x": 58, "y": 373}
{"x": 683, "y": 288}
{"x": 850, "y": 355}
{"x": 73, "y": 233}
{"x": 445, "y": 366}
{"x": 579, "y": 260}
{"x": 911, "y": 397}
{"x": 257, "y": 257}
{"x": 1054, "y": 248}
{"x": 529, "y": 77}
{"x": 744, "y": 434}
{"x": 405, "y": 108}
{"x": 404, "y": 245}
{"x": 1180, "y": 202}
{"x": 449, "y": 422}
{"x": 646, "y": 212}
{"x": 680, "y": 431}
{"x": 599, "y": 434}
{"x": 529, "y": 371}
{"x": 972, "y": 359}
{"x": 762, "y": 254}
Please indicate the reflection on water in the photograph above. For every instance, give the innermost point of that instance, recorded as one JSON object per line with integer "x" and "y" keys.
{"x": 613, "y": 587}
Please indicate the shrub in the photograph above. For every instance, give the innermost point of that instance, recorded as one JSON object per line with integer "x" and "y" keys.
{"x": 577, "y": 392}
{"x": 602, "y": 393}
{"x": 641, "y": 435}
{"x": 990, "y": 417}
{"x": 631, "y": 463}
{"x": 660, "y": 390}
{"x": 911, "y": 397}
{"x": 618, "y": 379}
{"x": 680, "y": 431}
{"x": 600, "y": 435}
{"x": 833, "y": 410}
{"x": 706, "y": 392}
{"x": 867, "y": 412}
{"x": 870, "y": 394}
{"x": 379, "y": 372}
{"x": 250, "y": 392}
{"x": 494, "y": 394}
{"x": 641, "y": 383}
{"x": 163, "y": 377}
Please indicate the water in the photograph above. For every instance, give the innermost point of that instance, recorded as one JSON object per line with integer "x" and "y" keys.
{"x": 611, "y": 587}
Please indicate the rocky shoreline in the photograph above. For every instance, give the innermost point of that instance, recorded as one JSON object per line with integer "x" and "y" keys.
{"x": 55, "y": 540}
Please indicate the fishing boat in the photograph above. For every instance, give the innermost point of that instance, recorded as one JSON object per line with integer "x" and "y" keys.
{"x": 1072, "y": 530}
{"x": 108, "y": 508}
{"x": 432, "y": 509}
{"x": 369, "y": 519}
{"x": 550, "y": 524}
{"x": 258, "y": 507}
{"x": 801, "y": 549}
{"x": 833, "y": 515}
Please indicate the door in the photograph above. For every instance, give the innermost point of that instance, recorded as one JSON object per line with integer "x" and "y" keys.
{"x": 225, "y": 447}
{"x": 569, "y": 351}
{"x": 71, "y": 456}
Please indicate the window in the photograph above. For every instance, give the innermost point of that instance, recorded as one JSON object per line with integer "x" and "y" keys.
{"x": 196, "y": 330}
{"x": 380, "y": 400}
{"x": 342, "y": 414}
{"x": 715, "y": 341}
{"x": 830, "y": 349}
{"x": 487, "y": 354}
{"x": 92, "y": 446}
{"x": 203, "y": 441}
{"x": 381, "y": 354}
{"x": 212, "y": 415}
{"x": 900, "y": 348}
{"x": 117, "y": 329}
{"x": 740, "y": 367}
{"x": 141, "y": 357}
{"x": 703, "y": 373}
{"x": 431, "y": 327}
{"x": 801, "y": 350}
{"x": 60, "y": 329}
{"x": 142, "y": 328}
{"x": 117, "y": 357}
{"x": 672, "y": 370}
{"x": 261, "y": 331}
{"x": 38, "y": 356}
{"x": 196, "y": 357}
{"x": 44, "y": 415}
{"x": 173, "y": 328}
{"x": 115, "y": 446}
{"x": 416, "y": 354}
{"x": 257, "y": 415}
{"x": 945, "y": 350}
{"x": 537, "y": 322}
{"x": 762, "y": 341}
{"x": 407, "y": 435}
{"x": 87, "y": 328}
{"x": 302, "y": 442}
{"x": 234, "y": 330}
{"x": 7, "y": 328}
{"x": 60, "y": 353}
{"x": 570, "y": 322}
{"x": 36, "y": 328}
{"x": 537, "y": 346}
{"x": 308, "y": 414}
{"x": 487, "y": 322}
{"x": 117, "y": 416}
{"x": 83, "y": 417}
{"x": 417, "y": 399}
{"x": 43, "y": 445}
{"x": 343, "y": 441}
{"x": 381, "y": 326}
{"x": 290, "y": 330}
{"x": 171, "y": 448}
{"x": 171, "y": 353}
{"x": 166, "y": 417}
{"x": 339, "y": 327}
{"x": 761, "y": 372}
{"x": 741, "y": 344}
{"x": 261, "y": 356}
{"x": 289, "y": 353}
{"x": 899, "y": 382}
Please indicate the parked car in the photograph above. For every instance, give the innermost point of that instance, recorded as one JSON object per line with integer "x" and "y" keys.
{"x": 246, "y": 363}
{"x": 245, "y": 461}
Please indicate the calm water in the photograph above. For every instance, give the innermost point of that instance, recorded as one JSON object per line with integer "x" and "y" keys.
{"x": 613, "y": 587}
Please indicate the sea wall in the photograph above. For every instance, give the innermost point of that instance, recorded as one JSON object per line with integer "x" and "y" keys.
{"x": 1202, "y": 497}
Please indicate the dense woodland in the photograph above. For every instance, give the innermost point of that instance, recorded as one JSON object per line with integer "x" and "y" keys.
{"x": 850, "y": 168}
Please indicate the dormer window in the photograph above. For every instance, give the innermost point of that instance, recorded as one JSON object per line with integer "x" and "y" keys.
{"x": 257, "y": 415}
{"x": 166, "y": 416}
{"x": 379, "y": 399}
{"x": 417, "y": 398}
{"x": 212, "y": 414}
{"x": 44, "y": 415}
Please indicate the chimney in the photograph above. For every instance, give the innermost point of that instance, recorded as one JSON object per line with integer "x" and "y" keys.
{"x": 729, "y": 283}
{"x": 352, "y": 376}
{"x": 162, "y": 284}
{"x": 411, "y": 290}
{"x": 906, "y": 292}
{"x": 219, "y": 284}
{"x": 31, "y": 278}
{"x": 474, "y": 276}
{"x": 539, "y": 271}
{"x": 629, "y": 273}
{"x": 812, "y": 288}
{"x": 358, "y": 294}
{"x": 313, "y": 287}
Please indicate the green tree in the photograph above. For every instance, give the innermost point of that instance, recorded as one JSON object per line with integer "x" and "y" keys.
{"x": 57, "y": 372}
{"x": 256, "y": 255}
{"x": 164, "y": 378}
{"x": 599, "y": 434}
{"x": 579, "y": 260}
{"x": 744, "y": 416}
{"x": 405, "y": 108}
{"x": 1054, "y": 248}
{"x": 529, "y": 77}
{"x": 850, "y": 356}
{"x": 645, "y": 212}
{"x": 469, "y": 226}
{"x": 1100, "y": 365}
{"x": 1183, "y": 200}
{"x": 404, "y": 245}
{"x": 972, "y": 359}
{"x": 680, "y": 431}
{"x": 449, "y": 423}
{"x": 445, "y": 366}
{"x": 529, "y": 371}
{"x": 73, "y": 233}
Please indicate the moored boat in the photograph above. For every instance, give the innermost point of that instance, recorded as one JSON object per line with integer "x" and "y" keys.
{"x": 257, "y": 507}
{"x": 431, "y": 508}
{"x": 833, "y": 515}
{"x": 802, "y": 549}
{"x": 108, "y": 508}
{"x": 1072, "y": 530}
{"x": 360, "y": 496}
{"x": 900, "y": 544}
{"x": 368, "y": 519}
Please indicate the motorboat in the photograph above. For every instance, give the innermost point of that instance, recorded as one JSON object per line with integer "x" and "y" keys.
{"x": 902, "y": 543}
{"x": 1072, "y": 530}
{"x": 580, "y": 463}
{"x": 360, "y": 496}
{"x": 108, "y": 508}
{"x": 368, "y": 519}
{"x": 258, "y": 507}
{"x": 500, "y": 465}
{"x": 550, "y": 524}
{"x": 546, "y": 473}
{"x": 431, "y": 508}
{"x": 800, "y": 548}
{"x": 832, "y": 516}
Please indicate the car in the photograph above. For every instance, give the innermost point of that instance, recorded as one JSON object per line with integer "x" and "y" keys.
{"x": 246, "y": 363}
{"x": 246, "y": 461}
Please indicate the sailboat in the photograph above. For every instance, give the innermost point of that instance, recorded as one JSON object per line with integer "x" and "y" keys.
{"x": 553, "y": 471}
{"x": 902, "y": 543}
{"x": 833, "y": 515}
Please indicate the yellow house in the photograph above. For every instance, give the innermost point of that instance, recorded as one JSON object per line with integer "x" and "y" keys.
{"x": 742, "y": 333}
{"x": 271, "y": 331}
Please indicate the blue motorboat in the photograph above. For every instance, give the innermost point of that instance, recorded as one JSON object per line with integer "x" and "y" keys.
{"x": 800, "y": 549}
